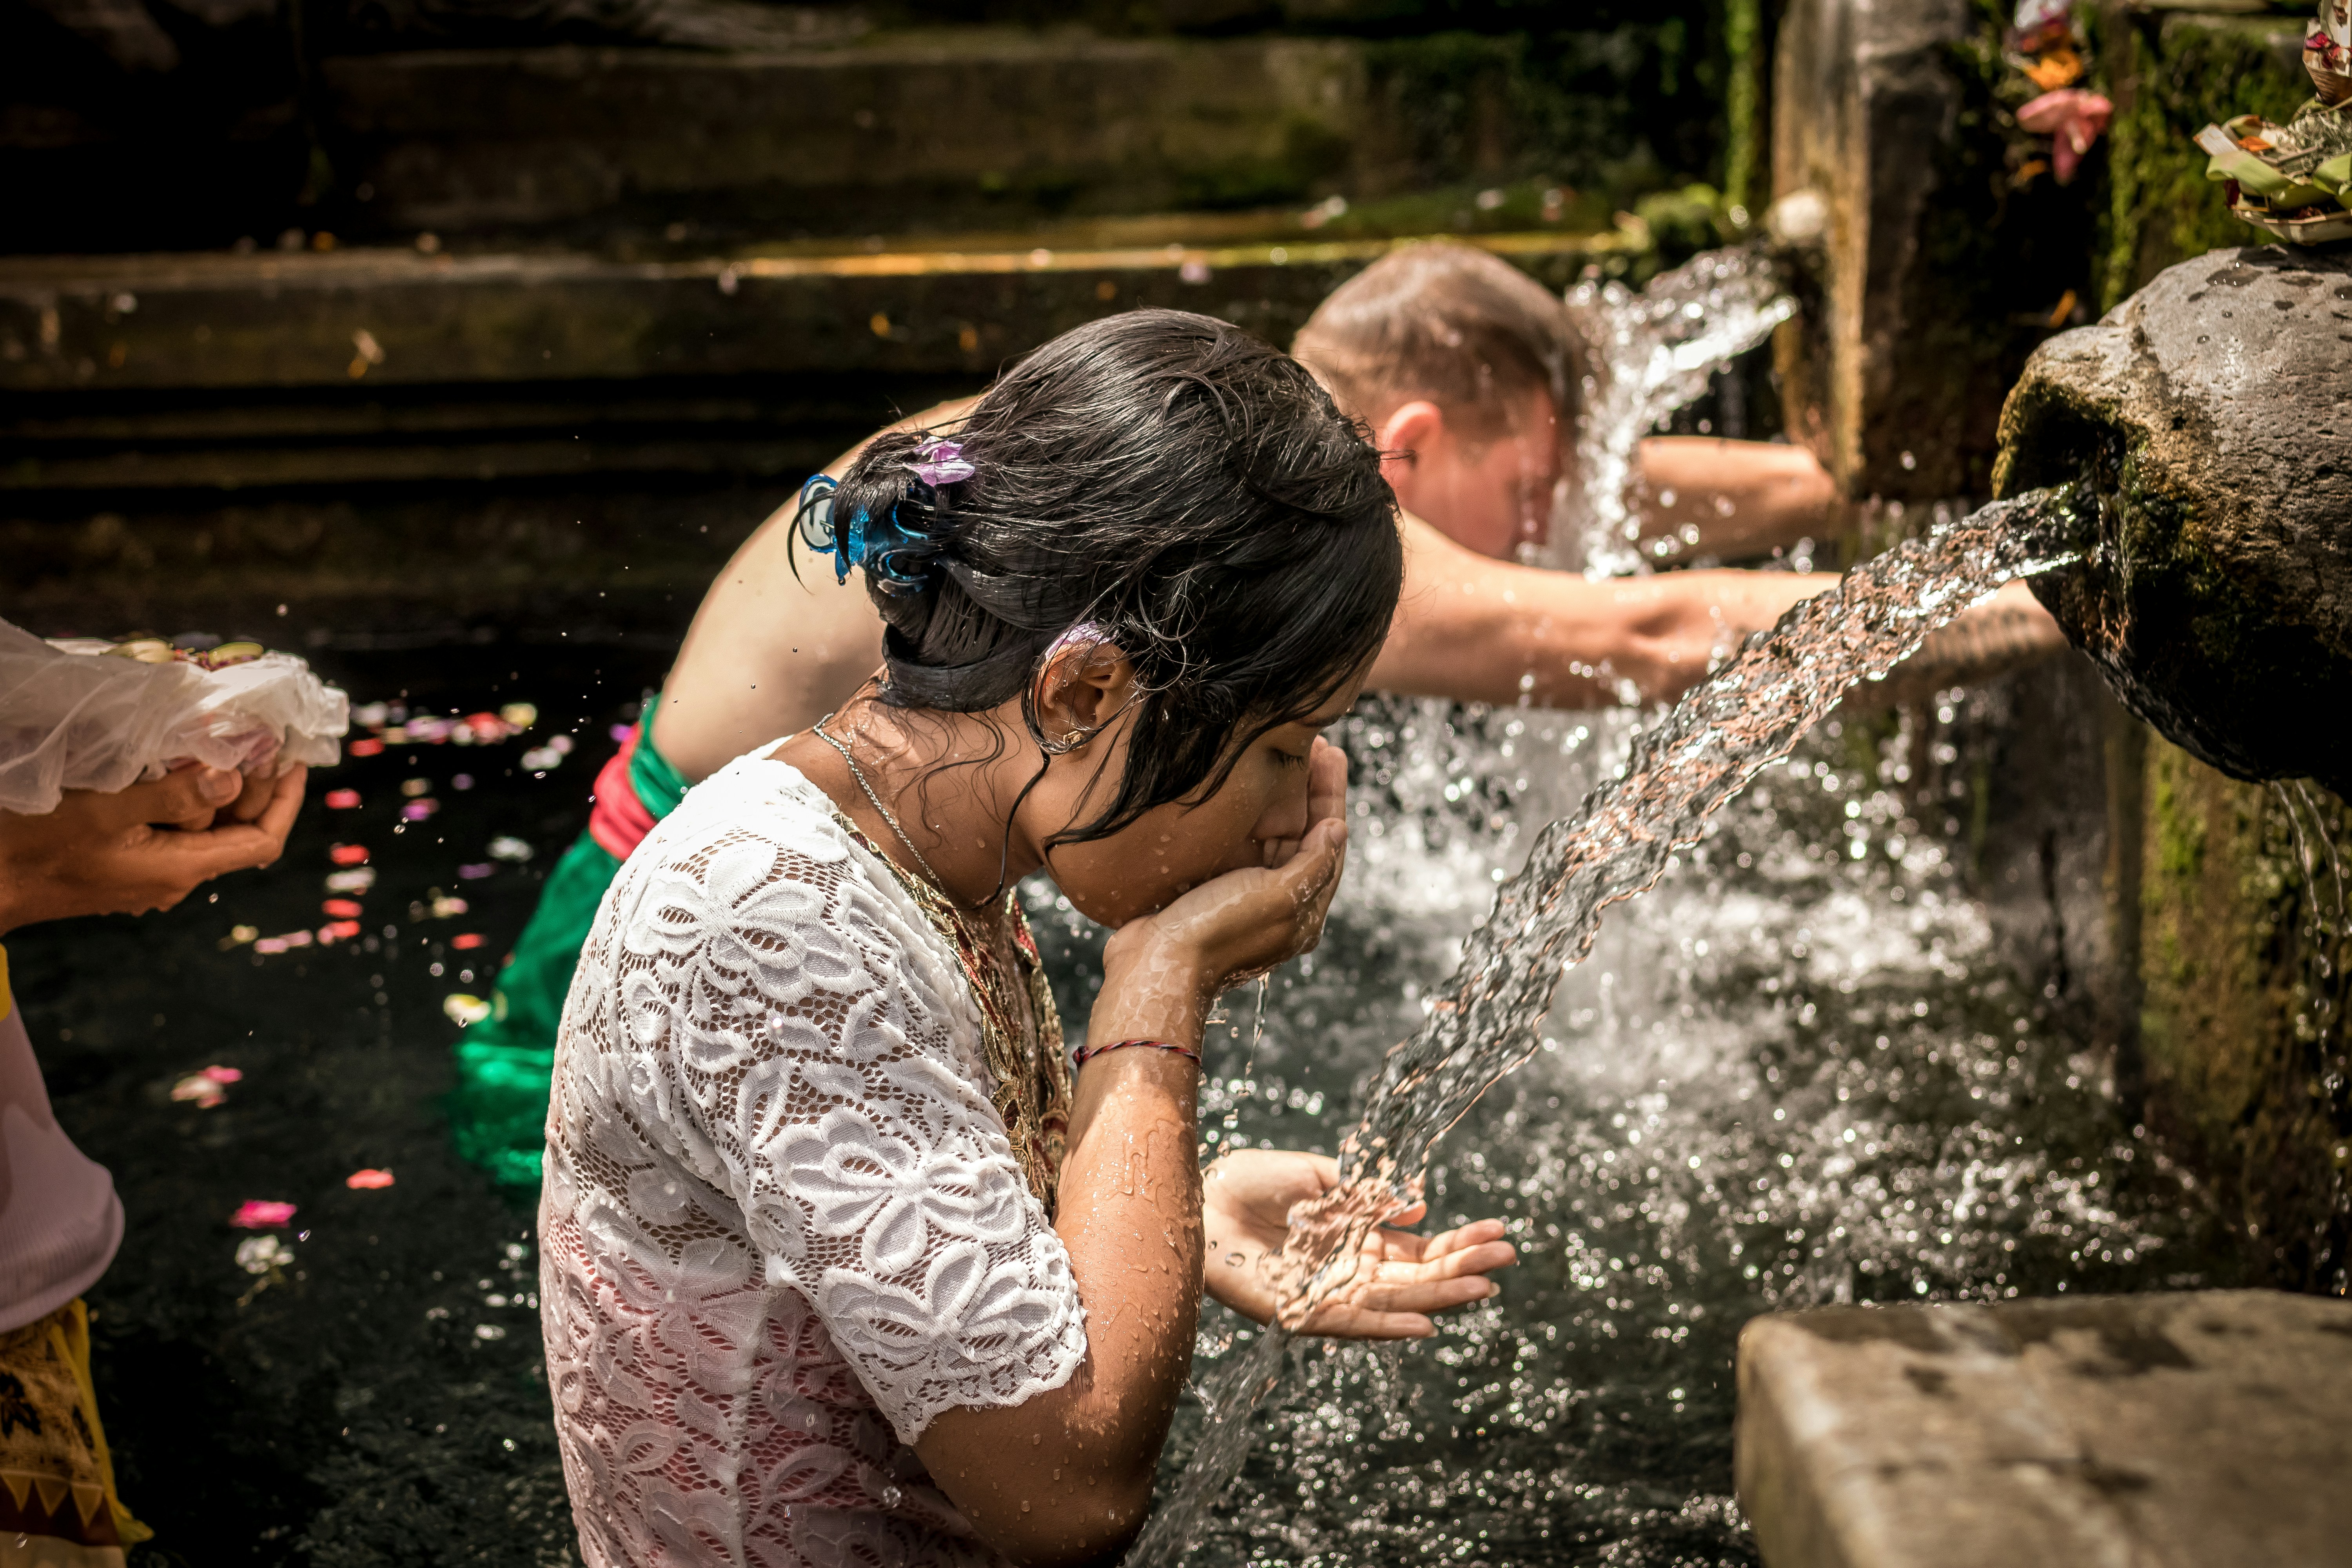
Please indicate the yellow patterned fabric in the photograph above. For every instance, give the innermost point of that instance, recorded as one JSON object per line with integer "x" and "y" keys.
{"x": 58, "y": 1506}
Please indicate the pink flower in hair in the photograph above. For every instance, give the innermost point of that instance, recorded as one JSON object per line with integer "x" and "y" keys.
{"x": 940, "y": 462}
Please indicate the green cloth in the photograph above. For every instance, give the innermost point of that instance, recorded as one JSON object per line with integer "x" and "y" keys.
{"x": 498, "y": 1113}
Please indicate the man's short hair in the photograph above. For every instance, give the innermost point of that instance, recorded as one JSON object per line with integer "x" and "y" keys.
{"x": 1449, "y": 322}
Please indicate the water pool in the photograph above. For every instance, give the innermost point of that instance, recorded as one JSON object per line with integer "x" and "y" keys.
{"x": 1803, "y": 1069}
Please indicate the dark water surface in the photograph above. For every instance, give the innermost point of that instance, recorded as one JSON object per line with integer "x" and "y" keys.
{"x": 1800, "y": 1070}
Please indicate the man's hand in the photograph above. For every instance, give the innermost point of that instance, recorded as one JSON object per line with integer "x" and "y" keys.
{"x": 143, "y": 847}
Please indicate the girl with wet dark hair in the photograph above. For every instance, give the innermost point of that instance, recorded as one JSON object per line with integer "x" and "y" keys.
{"x": 840, "y": 1261}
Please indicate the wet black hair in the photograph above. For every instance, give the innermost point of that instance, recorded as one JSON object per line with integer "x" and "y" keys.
{"x": 1179, "y": 485}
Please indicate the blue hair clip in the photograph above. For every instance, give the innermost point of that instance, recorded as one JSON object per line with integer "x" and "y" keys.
{"x": 814, "y": 519}
{"x": 896, "y": 558}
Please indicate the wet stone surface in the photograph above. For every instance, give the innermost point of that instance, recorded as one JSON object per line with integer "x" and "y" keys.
{"x": 2197, "y": 1428}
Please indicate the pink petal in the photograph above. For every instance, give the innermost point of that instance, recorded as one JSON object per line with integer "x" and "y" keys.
{"x": 943, "y": 473}
{"x": 2073, "y": 119}
{"x": 2045, "y": 114}
{"x": 225, "y": 1075}
{"x": 368, "y": 1180}
{"x": 261, "y": 1214}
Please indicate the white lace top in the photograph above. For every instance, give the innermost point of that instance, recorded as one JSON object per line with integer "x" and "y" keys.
{"x": 781, "y": 1226}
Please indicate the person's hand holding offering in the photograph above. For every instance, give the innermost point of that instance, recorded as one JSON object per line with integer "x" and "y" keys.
{"x": 143, "y": 847}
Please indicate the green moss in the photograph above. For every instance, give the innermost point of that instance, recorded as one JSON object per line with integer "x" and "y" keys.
{"x": 2175, "y": 836}
{"x": 1621, "y": 110}
{"x": 1743, "y": 29}
{"x": 2183, "y": 72}
{"x": 2245, "y": 998}
{"x": 1312, "y": 152}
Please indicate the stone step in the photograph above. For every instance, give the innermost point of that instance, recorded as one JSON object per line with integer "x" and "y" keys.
{"x": 373, "y": 436}
{"x": 882, "y": 134}
{"x": 2201, "y": 1430}
{"x": 495, "y": 118}
{"x": 225, "y": 372}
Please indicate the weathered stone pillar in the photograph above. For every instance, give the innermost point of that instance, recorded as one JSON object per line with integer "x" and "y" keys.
{"x": 1941, "y": 269}
{"x": 1862, "y": 104}
{"x": 1939, "y": 272}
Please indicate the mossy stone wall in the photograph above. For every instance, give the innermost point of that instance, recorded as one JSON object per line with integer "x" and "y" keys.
{"x": 2170, "y": 75}
{"x": 2241, "y": 1039}
{"x": 2241, "y": 1029}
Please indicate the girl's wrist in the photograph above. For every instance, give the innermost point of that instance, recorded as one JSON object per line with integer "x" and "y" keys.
{"x": 1153, "y": 988}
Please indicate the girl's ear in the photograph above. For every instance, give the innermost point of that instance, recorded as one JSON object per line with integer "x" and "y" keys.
{"x": 1410, "y": 433}
{"x": 1082, "y": 688}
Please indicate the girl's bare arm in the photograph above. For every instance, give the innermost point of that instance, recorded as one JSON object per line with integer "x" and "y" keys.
{"x": 1067, "y": 1475}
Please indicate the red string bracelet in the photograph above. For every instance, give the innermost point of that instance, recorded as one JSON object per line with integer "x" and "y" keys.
{"x": 1085, "y": 1054}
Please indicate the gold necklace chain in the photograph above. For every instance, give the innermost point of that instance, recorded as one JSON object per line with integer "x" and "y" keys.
{"x": 867, "y": 785}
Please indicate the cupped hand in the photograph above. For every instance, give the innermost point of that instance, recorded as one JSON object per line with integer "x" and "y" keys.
{"x": 1398, "y": 1279}
{"x": 1245, "y": 922}
{"x": 141, "y": 848}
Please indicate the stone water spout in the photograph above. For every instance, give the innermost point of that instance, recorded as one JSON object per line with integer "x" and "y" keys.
{"x": 2210, "y": 419}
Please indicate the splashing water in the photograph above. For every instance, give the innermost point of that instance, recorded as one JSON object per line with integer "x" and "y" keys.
{"x": 1488, "y": 1019}
{"x": 1648, "y": 354}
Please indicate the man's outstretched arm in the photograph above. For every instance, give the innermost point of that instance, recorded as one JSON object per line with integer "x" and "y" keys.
{"x": 1743, "y": 497}
{"x": 770, "y": 654}
{"x": 1481, "y": 630}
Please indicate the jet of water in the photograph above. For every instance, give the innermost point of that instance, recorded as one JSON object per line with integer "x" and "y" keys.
{"x": 1488, "y": 1019}
{"x": 1647, "y": 354}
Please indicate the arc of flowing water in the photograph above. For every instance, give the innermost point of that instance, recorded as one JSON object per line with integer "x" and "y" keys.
{"x": 1647, "y": 354}
{"x": 1488, "y": 1020}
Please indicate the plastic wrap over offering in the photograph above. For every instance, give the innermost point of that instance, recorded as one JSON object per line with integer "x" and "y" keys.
{"x": 85, "y": 714}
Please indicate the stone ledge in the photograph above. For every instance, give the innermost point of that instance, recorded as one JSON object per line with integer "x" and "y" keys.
{"x": 393, "y": 317}
{"x": 2201, "y": 1429}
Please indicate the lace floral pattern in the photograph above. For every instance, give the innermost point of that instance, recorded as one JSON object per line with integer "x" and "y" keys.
{"x": 781, "y": 1225}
